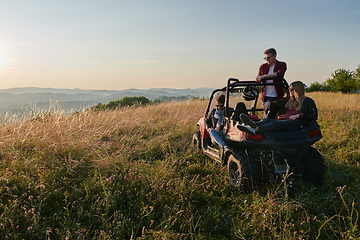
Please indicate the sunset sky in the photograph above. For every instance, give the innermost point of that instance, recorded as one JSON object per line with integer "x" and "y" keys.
{"x": 116, "y": 44}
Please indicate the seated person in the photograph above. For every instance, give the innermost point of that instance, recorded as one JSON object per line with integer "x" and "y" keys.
{"x": 215, "y": 125}
{"x": 293, "y": 113}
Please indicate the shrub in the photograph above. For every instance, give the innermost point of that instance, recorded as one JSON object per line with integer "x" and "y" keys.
{"x": 124, "y": 102}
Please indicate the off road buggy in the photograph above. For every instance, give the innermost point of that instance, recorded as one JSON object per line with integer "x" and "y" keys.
{"x": 261, "y": 157}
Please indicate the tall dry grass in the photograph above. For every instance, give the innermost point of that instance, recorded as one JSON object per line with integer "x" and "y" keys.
{"x": 54, "y": 131}
{"x": 85, "y": 125}
{"x": 339, "y": 116}
{"x": 131, "y": 174}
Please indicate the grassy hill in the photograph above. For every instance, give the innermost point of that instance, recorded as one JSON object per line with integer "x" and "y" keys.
{"x": 131, "y": 174}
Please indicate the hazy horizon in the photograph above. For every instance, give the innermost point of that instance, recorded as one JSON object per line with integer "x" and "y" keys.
{"x": 105, "y": 89}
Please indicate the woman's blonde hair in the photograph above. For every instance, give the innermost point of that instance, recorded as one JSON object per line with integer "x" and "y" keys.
{"x": 299, "y": 93}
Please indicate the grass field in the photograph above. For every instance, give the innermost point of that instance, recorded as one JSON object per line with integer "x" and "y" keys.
{"x": 131, "y": 174}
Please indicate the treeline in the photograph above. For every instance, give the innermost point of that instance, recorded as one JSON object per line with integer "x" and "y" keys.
{"x": 137, "y": 101}
{"x": 341, "y": 80}
{"x": 124, "y": 102}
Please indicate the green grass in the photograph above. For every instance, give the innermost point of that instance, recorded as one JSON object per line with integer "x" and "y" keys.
{"x": 131, "y": 174}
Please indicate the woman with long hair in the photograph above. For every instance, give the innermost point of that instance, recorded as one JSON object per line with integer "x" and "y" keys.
{"x": 291, "y": 113}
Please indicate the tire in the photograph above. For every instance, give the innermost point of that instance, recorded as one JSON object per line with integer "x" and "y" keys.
{"x": 244, "y": 171}
{"x": 314, "y": 167}
{"x": 196, "y": 142}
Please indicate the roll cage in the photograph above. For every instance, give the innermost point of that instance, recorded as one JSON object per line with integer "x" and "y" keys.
{"x": 236, "y": 86}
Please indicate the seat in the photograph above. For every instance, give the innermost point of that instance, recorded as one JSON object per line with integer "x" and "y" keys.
{"x": 240, "y": 108}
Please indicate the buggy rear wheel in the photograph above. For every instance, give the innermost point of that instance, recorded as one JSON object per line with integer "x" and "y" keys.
{"x": 244, "y": 171}
{"x": 314, "y": 167}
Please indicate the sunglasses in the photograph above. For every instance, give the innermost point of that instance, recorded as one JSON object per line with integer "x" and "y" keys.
{"x": 267, "y": 58}
{"x": 220, "y": 105}
{"x": 291, "y": 89}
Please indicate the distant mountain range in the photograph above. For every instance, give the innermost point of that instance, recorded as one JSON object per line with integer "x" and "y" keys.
{"x": 15, "y": 100}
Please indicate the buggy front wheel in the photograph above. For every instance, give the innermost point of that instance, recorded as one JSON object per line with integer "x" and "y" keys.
{"x": 244, "y": 171}
{"x": 196, "y": 141}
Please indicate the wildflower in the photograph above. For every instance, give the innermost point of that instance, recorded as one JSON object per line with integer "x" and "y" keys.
{"x": 110, "y": 178}
{"x": 30, "y": 197}
{"x": 340, "y": 189}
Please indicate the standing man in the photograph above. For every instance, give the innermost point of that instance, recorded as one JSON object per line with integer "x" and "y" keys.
{"x": 272, "y": 68}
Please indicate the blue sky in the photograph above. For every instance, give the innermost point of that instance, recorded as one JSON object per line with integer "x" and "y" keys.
{"x": 116, "y": 44}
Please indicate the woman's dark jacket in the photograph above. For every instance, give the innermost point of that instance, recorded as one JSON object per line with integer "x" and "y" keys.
{"x": 308, "y": 111}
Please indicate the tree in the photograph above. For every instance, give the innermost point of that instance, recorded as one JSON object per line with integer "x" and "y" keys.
{"x": 130, "y": 101}
{"x": 357, "y": 73}
{"x": 314, "y": 87}
{"x": 345, "y": 81}
{"x": 124, "y": 102}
